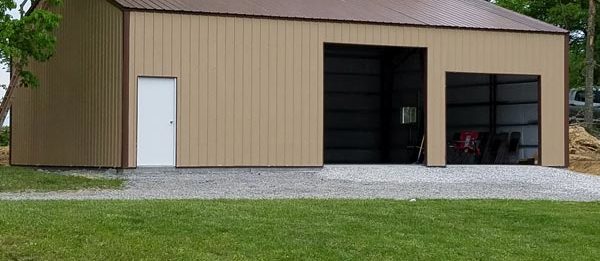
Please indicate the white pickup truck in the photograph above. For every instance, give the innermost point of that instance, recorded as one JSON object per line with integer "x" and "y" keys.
{"x": 577, "y": 98}
{"x": 577, "y": 103}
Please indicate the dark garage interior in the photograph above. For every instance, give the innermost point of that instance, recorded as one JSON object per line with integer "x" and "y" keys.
{"x": 492, "y": 119}
{"x": 374, "y": 109}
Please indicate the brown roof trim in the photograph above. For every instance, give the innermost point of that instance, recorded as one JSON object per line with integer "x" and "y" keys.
{"x": 476, "y": 14}
{"x": 128, "y": 9}
{"x": 117, "y": 5}
{"x": 35, "y": 4}
{"x": 340, "y": 21}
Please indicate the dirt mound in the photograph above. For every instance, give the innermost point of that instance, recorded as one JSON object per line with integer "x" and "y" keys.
{"x": 583, "y": 143}
{"x": 4, "y": 156}
{"x": 585, "y": 151}
{"x": 585, "y": 166}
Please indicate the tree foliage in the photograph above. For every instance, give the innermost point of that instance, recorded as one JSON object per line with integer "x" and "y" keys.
{"x": 4, "y": 136}
{"x": 26, "y": 38}
{"x": 568, "y": 14}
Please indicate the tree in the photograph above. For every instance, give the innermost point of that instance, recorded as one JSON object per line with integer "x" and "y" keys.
{"x": 26, "y": 38}
{"x": 590, "y": 64}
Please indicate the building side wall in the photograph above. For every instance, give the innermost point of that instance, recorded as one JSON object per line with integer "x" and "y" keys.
{"x": 251, "y": 90}
{"x": 73, "y": 117}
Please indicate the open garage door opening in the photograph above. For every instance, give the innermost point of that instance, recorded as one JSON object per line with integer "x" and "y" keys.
{"x": 492, "y": 119}
{"x": 374, "y": 109}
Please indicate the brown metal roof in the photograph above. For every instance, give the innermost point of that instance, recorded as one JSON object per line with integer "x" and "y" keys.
{"x": 471, "y": 14}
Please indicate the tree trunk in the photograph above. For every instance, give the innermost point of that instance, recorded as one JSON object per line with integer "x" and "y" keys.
{"x": 590, "y": 65}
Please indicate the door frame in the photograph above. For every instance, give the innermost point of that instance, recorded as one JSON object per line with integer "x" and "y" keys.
{"x": 175, "y": 116}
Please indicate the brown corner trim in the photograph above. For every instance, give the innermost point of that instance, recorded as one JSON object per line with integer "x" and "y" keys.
{"x": 425, "y": 64}
{"x": 125, "y": 92}
{"x": 567, "y": 111}
{"x": 540, "y": 121}
{"x": 10, "y": 133}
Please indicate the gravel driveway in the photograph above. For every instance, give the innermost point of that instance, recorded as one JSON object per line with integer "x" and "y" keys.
{"x": 346, "y": 182}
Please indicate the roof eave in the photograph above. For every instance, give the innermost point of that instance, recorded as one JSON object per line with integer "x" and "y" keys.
{"x": 560, "y": 31}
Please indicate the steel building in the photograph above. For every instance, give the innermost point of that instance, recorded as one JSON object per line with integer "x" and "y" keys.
{"x": 230, "y": 83}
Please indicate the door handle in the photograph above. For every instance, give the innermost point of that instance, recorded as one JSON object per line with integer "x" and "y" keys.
{"x": 171, "y": 122}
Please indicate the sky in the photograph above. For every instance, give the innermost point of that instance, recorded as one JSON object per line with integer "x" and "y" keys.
{"x": 4, "y": 75}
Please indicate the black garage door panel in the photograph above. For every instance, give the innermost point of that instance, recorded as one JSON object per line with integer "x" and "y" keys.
{"x": 353, "y": 107}
{"x": 359, "y": 66}
{"x": 352, "y": 102}
{"x": 360, "y": 139}
{"x": 353, "y": 156}
{"x": 352, "y": 120}
{"x": 351, "y": 83}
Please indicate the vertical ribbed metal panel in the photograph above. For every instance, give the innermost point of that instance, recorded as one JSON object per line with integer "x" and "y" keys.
{"x": 251, "y": 90}
{"x": 74, "y": 117}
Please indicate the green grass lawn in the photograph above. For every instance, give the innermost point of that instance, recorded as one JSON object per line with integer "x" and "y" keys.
{"x": 14, "y": 179}
{"x": 299, "y": 230}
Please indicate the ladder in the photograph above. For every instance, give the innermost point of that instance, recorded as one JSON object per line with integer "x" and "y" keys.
{"x": 7, "y": 100}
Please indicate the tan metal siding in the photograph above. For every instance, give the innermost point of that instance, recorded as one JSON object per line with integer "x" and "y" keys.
{"x": 74, "y": 117}
{"x": 251, "y": 90}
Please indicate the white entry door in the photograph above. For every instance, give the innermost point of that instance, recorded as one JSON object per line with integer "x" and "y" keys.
{"x": 156, "y": 131}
